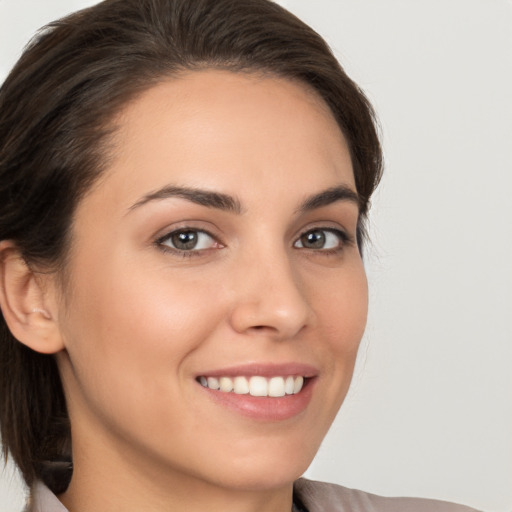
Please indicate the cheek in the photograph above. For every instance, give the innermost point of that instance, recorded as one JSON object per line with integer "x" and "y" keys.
{"x": 129, "y": 327}
{"x": 341, "y": 307}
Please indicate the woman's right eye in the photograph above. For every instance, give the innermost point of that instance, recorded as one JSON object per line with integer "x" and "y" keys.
{"x": 187, "y": 241}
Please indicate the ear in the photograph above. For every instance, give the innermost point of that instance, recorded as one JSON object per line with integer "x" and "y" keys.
{"x": 28, "y": 304}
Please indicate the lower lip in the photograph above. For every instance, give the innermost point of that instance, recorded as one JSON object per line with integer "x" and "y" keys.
{"x": 265, "y": 408}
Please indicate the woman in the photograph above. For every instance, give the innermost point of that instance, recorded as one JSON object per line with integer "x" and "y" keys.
{"x": 184, "y": 192}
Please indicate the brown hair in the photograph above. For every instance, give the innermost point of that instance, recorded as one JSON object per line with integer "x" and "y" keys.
{"x": 55, "y": 110}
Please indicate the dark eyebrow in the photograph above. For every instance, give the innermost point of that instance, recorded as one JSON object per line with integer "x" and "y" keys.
{"x": 329, "y": 196}
{"x": 202, "y": 197}
{"x": 228, "y": 203}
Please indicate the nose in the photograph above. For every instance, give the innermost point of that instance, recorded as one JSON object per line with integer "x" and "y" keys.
{"x": 269, "y": 298}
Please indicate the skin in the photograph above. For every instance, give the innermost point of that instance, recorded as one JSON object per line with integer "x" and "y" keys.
{"x": 138, "y": 322}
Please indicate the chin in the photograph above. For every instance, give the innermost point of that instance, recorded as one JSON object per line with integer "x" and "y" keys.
{"x": 264, "y": 471}
{"x": 267, "y": 479}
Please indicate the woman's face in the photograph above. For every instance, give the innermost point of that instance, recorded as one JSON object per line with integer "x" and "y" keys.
{"x": 219, "y": 249}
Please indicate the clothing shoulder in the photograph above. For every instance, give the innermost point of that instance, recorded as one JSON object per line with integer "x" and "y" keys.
{"x": 316, "y": 497}
{"x": 325, "y": 497}
{"x": 43, "y": 500}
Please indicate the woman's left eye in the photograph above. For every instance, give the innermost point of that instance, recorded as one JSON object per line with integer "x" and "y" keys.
{"x": 322, "y": 239}
{"x": 188, "y": 240}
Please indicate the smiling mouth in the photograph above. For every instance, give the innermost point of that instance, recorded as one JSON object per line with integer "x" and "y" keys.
{"x": 256, "y": 385}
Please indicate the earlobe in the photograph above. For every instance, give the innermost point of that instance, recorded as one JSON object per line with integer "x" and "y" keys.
{"x": 24, "y": 303}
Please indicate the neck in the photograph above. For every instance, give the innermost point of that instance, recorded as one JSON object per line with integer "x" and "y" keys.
{"x": 114, "y": 483}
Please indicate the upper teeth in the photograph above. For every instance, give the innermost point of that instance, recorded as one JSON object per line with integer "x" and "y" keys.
{"x": 255, "y": 386}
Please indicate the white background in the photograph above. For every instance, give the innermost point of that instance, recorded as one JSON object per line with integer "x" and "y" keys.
{"x": 430, "y": 411}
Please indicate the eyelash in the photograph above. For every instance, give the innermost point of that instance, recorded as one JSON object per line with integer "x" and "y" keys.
{"x": 160, "y": 242}
{"x": 343, "y": 237}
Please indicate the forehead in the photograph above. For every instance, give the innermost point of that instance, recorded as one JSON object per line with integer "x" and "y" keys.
{"x": 219, "y": 129}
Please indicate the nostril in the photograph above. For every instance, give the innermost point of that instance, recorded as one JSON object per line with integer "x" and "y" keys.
{"x": 267, "y": 315}
{"x": 260, "y": 328}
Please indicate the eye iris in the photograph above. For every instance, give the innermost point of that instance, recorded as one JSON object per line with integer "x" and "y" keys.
{"x": 313, "y": 240}
{"x": 184, "y": 240}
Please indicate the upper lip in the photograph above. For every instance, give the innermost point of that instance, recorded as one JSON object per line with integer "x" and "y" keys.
{"x": 264, "y": 370}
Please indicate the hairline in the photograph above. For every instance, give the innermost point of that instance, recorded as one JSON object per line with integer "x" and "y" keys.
{"x": 113, "y": 123}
